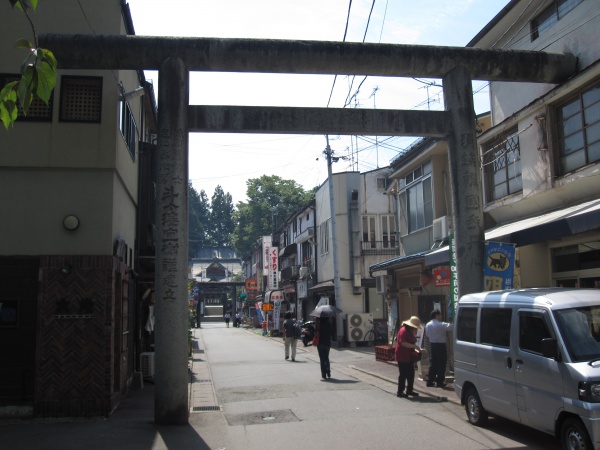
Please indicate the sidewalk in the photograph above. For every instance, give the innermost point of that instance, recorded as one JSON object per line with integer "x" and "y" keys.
{"x": 386, "y": 371}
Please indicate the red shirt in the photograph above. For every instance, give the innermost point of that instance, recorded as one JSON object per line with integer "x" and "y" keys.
{"x": 405, "y": 334}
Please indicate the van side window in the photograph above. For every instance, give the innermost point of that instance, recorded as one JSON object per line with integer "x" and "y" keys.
{"x": 466, "y": 324}
{"x": 495, "y": 327}
{"x": 532, "y": 329}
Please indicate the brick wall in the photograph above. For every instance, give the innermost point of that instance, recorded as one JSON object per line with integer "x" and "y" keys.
{"x": 76, "y": 361}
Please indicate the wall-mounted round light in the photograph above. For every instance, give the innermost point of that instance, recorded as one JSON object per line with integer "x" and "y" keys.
{"x": 71, "y": 222}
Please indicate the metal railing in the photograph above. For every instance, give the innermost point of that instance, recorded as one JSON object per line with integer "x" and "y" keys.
{"x": 387, "y": 247}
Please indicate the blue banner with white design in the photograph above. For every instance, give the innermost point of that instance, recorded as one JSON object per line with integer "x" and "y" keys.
{"x": 499, "y": 266}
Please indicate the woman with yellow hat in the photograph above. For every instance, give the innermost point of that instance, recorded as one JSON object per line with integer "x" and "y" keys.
{"x": 406, "y": 354}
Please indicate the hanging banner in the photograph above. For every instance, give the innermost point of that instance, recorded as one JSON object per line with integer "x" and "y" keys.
{"x": 276, "y": 313}
{"x": 273, "y": 262}
{"x": 259, "y": 315}
{"x": 453, "y": 278}
{"x": 499, "y": 268}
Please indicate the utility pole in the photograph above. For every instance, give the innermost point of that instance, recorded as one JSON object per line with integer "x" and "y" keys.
{"x": 334, "y": 248}
{"x": 376, "y": 137}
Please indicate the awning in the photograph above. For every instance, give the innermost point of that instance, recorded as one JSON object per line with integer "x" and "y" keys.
{"x": 392, "y": 263}
{"x": 288, "y": 250}
{"x": 325, "y": 286}
{"x": 553, "y": 225}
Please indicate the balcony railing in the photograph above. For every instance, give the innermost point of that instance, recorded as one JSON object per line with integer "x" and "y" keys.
{"x": 388, "y": 247}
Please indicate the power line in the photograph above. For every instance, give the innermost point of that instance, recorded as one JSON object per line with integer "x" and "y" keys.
{"x": 344, "y": 40}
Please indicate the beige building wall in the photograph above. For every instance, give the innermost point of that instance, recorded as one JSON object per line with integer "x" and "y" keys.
{"x": 52, "y": 169}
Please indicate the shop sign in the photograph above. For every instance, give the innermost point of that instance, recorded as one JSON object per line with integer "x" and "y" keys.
{"x": 453, "y": 277}
{"x": 302, "y": 289}
{"x": 267, "y": 307}
{"x": 273, "y": 263}
{"x": 251, "y": 284}
{"x": 276, "y": 296}
{"x": 499, "y": 268}
{"x": 441, "y": 277}
{"x": 259, "y": 280}
{"x": 276, "y": 313}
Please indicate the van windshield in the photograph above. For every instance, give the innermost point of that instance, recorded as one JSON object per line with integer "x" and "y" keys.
{"x": 580, "y": 329}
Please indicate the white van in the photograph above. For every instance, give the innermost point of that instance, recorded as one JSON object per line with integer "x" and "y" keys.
{"x": 532, "y": 356}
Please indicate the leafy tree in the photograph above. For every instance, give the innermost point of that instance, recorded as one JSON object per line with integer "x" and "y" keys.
{"x": 221, "y": 220}
{"x": 38, "y": 73}
{"x": 271, "y": 199}
{"x": 198, "y": 218}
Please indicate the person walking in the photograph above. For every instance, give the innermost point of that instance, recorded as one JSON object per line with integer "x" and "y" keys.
{"x": 406, "y": 354}
{"x": 437, "y": 331}
{"x": 238, "y": 319}
{"x": 289, "y": 336}
{"x": 227, "y": 317}
{"x": 325, "y": 330}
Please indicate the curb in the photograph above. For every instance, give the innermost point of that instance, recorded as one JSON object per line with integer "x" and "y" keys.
{"x": 416, "y": 388}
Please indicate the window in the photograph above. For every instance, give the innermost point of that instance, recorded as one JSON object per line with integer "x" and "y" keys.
{"x": 579, "y": 131}
{"x": 128, "y": 127}
{"x": 532, "y": 329}
{"x": 557, "y": 10}
{"x": 368, "y": 230}
{"x": 502, "y": 161}
{"x": 81, "y": 99}
{"x": 38, "y": 110}
{"x": 495, "y": 327}
{"x": 466, "y": 324}
{"x": 381, "y": 184}
{"x": 324, "y": 237}
{"x": 580, "y": 329}
{"x": 388, "y": 231}
{"x": 416, "y": 199}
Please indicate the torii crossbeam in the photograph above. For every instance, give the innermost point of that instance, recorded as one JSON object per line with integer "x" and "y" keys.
{"x": 175, "y": 57}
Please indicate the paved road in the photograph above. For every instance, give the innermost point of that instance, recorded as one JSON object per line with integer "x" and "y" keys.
{"x": 269, "y": 403}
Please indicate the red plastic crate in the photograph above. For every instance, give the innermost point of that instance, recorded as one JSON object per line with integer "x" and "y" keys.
{"x": 384, "y": 353}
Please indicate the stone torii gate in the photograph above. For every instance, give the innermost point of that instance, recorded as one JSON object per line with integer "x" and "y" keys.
{"x": 175, "y": 57}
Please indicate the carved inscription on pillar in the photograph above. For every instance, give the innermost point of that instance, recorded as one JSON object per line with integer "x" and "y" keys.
{"x": 172, "y": 206}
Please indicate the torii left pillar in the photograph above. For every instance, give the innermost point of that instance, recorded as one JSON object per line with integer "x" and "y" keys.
{"x": 171, "y": 339}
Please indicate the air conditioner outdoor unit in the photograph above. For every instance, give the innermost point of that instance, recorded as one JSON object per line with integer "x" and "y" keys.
{"x": 303, "y": 273}
{"x": 147, "y": 364}
{"x": 440, "y": 228}
{"x": 359, "y": 326}
{"x": 380, "y": 284}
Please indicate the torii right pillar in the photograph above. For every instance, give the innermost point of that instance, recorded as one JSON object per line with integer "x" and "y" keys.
{"x": 465, "y": 177}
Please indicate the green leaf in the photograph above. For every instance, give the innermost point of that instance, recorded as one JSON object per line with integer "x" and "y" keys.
{"x": 24, "y": 43}
{"x": 48, "y": 56}
{"x": 27, "y": 77}
{"x": 25, "y": 97}
{"x": 8, "y": 112}
{"x": 46, "y": 80}
{"x": 24, "y": 4}
{"x": 6, "y": 90}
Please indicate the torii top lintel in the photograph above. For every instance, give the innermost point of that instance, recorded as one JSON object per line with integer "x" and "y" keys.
{"x": 306, "y": 57}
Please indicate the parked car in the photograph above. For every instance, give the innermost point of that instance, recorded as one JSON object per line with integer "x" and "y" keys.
{"x": 532, "y": 356}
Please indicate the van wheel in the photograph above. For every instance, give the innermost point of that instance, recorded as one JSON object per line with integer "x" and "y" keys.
{"x": 476, "y": 413}
{"x": 574, "y": 436}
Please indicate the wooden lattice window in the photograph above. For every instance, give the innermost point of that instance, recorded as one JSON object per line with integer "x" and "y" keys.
{"x": 38, "y": 110}
{"x": 81, "y": 99}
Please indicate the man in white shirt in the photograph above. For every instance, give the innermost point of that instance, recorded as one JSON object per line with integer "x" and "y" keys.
{"x": 437, "y": 331}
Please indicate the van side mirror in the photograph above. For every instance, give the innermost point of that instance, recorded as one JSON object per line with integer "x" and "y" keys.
{"x": 550, "y": 348}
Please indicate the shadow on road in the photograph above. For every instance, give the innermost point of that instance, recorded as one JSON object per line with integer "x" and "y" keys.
{"x": 529, "y": 437}
{"x": 334, "y": 381}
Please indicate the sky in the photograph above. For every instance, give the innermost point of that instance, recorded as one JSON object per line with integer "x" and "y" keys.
{"x": 230, "y": 160}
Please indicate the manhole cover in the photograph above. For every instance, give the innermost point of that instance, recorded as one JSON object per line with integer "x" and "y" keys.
{"x": 206, "y": 408}
{"x": 264, "y": 417}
